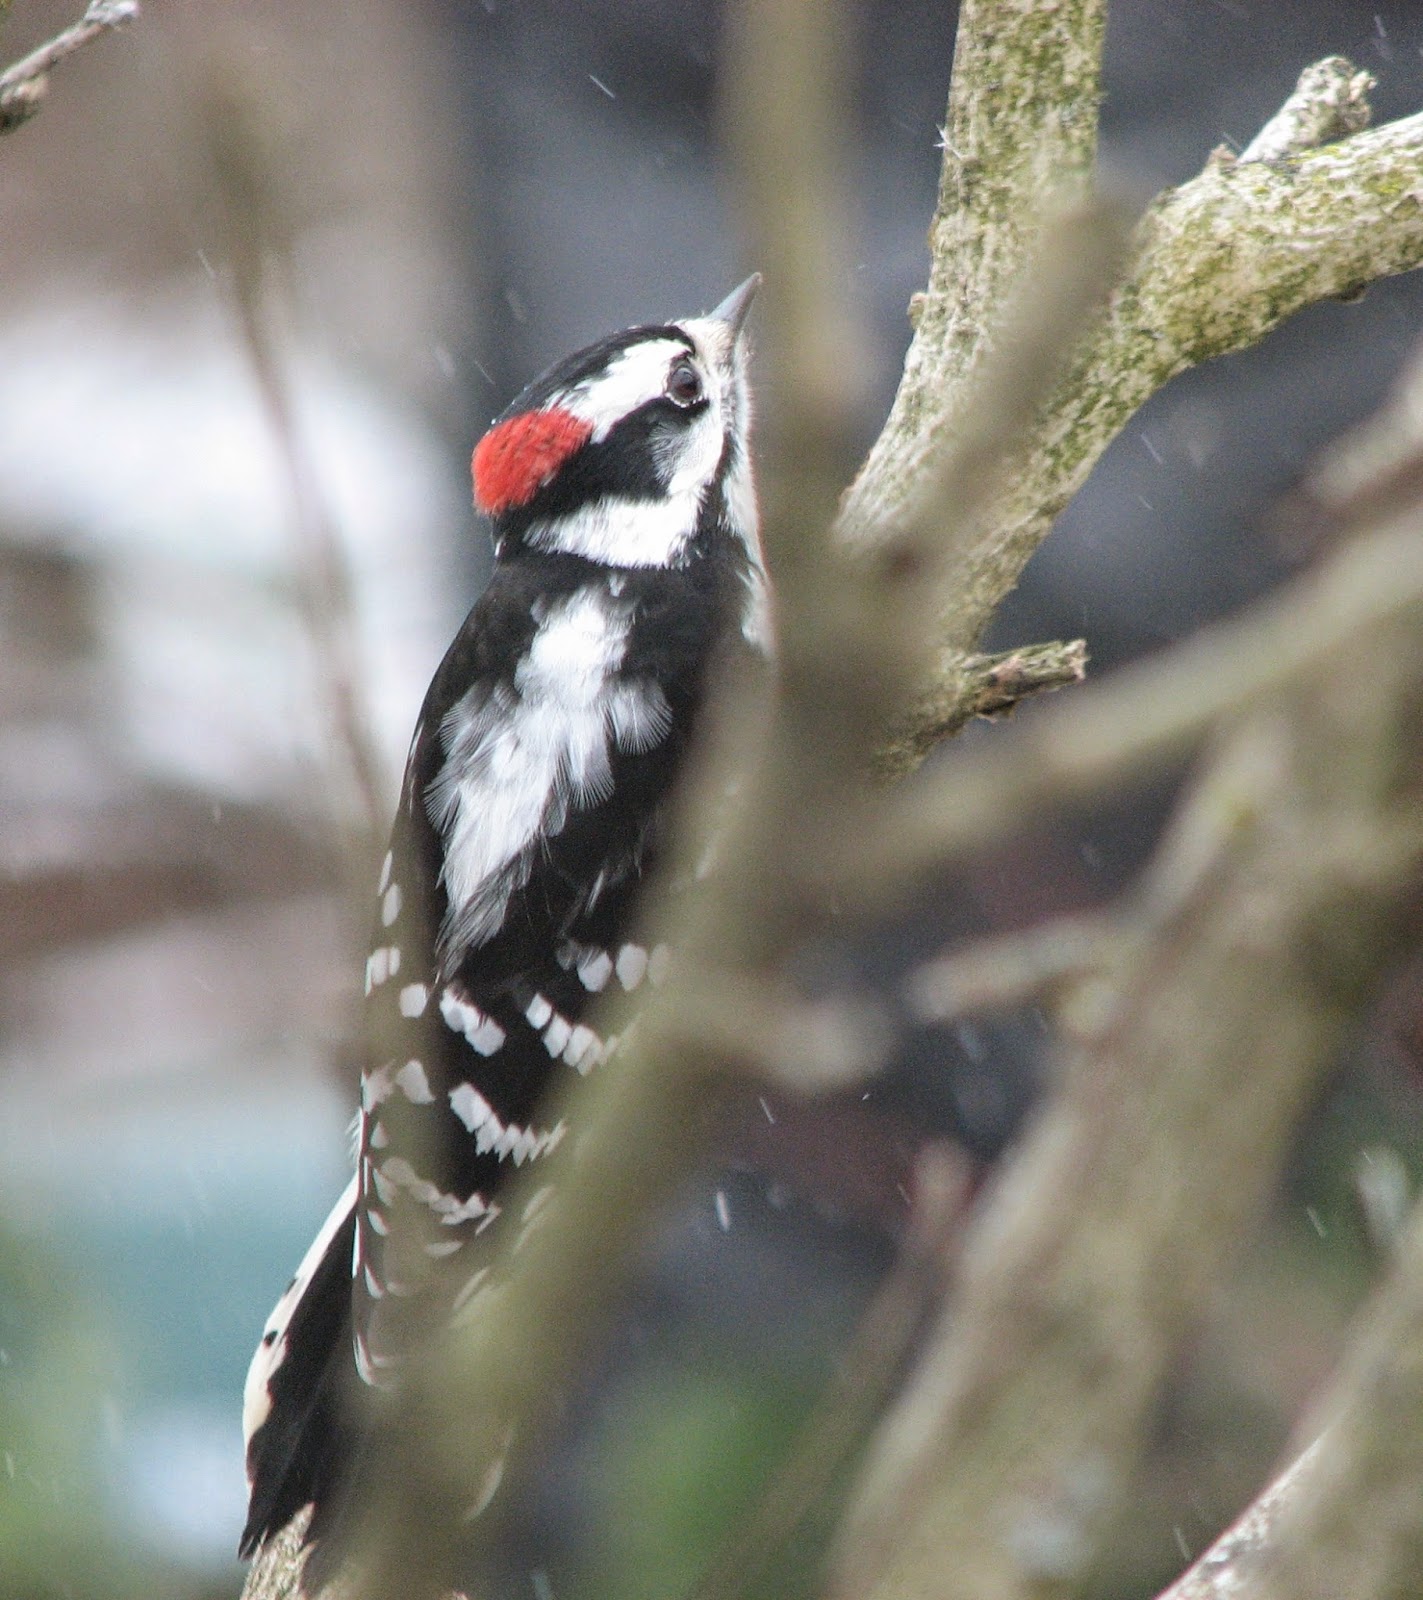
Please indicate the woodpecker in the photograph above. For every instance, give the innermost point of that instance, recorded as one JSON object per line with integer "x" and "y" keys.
{"x": 628, "y": 574}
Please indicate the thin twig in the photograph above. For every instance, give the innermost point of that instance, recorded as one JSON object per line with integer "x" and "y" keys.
{"x": 977, "y": 685}
{"x": 1014, "y": 970}
{"x": 1144, "y": 715}
{"x": 24, "y": 85}
{"x": 259, "y": 253}
{"x": 1330, "y": 101}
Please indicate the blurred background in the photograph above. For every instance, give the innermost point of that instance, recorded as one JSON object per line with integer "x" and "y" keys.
{"x": 449, "y": 195}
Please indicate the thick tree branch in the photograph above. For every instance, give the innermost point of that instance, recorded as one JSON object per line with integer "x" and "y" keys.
{"x": 1218, "y": 263}
{"x": 1275, "y": 902}
{"x": 1021, "y": 131}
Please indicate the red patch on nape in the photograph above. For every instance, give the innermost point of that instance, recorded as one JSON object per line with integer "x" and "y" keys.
{"x": 513, "y": 461}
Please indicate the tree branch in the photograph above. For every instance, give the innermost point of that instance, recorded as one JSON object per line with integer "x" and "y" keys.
{"x": 1286, "y": 870}
{"x": 1346, "y": 1517}
{"x": 968, "y": 686}
{"x": 24, "y": 85}
{"x": 1218, "y": 263}
{"x": 1330, "y": 101}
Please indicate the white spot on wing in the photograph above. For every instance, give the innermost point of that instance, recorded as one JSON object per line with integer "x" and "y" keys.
{"x": 557, "y": 1035}
{"x": 538, "y": 1012}
{"x": 631, "y": 966}
{"x": 390, "y": 905}
{"x": 413, "y": 1083}
{"x": 396, "y": 1172}
{"x": 376, "y": 968}
{"x": 385, "y": 869}
{"x": 504, "y": 1139}
{"x": 584, "y": 1048}
{"x": 595, "y": 967}
{"x": 483, "y": 1032}
{"x": 376, "y": 1086}
{"x": 414, "y": 997}
{"x": 368, "y": 1364}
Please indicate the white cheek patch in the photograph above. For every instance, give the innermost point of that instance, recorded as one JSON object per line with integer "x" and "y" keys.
{"x": 690, "y": 463}
{"x": 623, "y": 533}
{"x": 632, "y": 378}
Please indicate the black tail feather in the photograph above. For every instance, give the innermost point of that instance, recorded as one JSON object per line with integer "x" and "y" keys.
{"x": 293, "y": 1458}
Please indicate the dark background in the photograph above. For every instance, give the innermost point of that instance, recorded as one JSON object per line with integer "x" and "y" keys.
{"x": 463, "y": 192}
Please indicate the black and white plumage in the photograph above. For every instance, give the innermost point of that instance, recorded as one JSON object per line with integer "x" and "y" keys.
{"x": 627, "y": 567}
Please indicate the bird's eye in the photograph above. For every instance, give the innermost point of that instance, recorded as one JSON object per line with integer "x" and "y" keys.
{"x": 684, "y": 384}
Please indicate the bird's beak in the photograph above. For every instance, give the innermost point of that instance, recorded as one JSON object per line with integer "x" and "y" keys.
{"x": 732, "y": 311}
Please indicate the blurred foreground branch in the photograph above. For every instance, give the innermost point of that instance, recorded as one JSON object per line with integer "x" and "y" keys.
{"x": 1285, "y": 873}
{"x": 24, "y": 86}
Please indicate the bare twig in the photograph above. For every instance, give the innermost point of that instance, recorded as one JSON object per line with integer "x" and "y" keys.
{"x": 1355, "y": 1525}
{"x": 967, "y": 686}
{"x": 1330, "y": 101}
{"x": 997, "y": 974}
{"x": 1224, "y": 1571}
{"x": 24, "y": 85}
{"x": 259, "y": 253}
{"x": 1346, "y": 1517}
